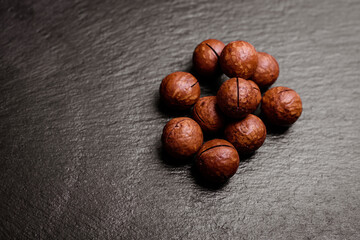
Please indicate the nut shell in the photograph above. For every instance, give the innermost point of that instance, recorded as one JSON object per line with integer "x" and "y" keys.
{"x": 217, "y": 160}
{"x": 239, "y": 59}
{"x": 281, "y": 106}
{"x": 238, "y": 97}
{"x": 208, "y": 115}
{"x": 246, "y": 135}
{"x": 180, "y": 90}
{"x": 206, "y": 57}
{"x": 182, "y": 137}
{"x": 267, "y": 70}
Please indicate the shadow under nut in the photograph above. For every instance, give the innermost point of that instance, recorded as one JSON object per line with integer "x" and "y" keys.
{"x": 238, "y": 97}
{"x": 182, "y": 137}
{"x": 247, "y": 135}
{"x": 180, "y": 90}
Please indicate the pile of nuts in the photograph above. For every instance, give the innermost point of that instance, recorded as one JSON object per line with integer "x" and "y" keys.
{"x": 230, "y": 111}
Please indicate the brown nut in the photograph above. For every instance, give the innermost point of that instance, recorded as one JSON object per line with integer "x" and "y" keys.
{"x": 206, "y": 57}
{"x": 239, "y": 59}
{"x": 182, "y": 137}
{"x": 217, "y": 160}
{"x": 281, "y": 106}
{"x": 247, "y": 135}
{"x": 267, "y": 70}
{"x": 208, "y": 115}
{"x": 238, "y": 97}
{"x": 180, "y": 90}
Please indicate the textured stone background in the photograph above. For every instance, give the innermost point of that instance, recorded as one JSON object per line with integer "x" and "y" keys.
{"x": 80, "y": 122}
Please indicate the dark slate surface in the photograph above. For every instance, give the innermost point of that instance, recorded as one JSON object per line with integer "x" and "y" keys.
{"x": 80, "y": 122}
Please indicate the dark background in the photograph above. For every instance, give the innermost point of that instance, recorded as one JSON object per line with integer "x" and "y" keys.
{"x": 80, "y": 122}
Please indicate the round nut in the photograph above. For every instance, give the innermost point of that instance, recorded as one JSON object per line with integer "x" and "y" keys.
{"x": 282, "y": 106}
{"x": 206, "y": 57}
{"x": 217, "y": 160}
{"x": 180, "y": 90}
{"x": 239, "y": 59}
{"x": 208, "y": 115}
{"x": 238, "y": 97}
{"x": 182, "y": 137}
{"x": 247, "y": 135}
{"x": 267, "y": 70}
